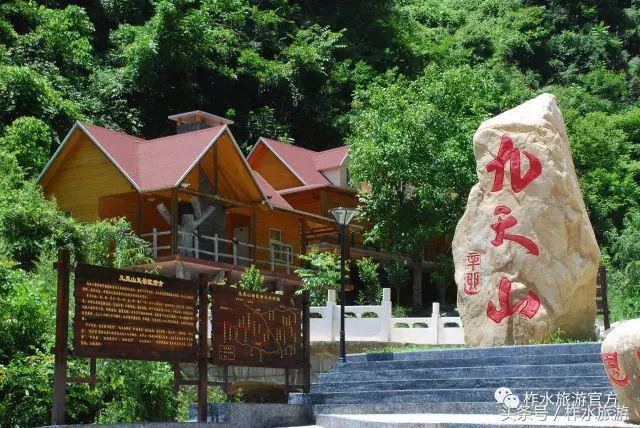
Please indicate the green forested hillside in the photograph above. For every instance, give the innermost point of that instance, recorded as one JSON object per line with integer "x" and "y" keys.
{"x": 405, "y": 82}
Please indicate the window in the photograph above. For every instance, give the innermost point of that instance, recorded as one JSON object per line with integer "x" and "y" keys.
{"x": 275, "y": 235}
{"x": 282, "y": 253}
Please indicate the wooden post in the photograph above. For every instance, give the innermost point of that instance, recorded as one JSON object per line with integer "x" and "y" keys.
{"x": 203, "y": 345}
{"x": 234, "y": 243}
{"x": 62, "y": 335}
{"x": 92, "y": 374}
{"x": 138, "y": 213}
{"x": 215, "y": 169}
{"x": 174, "y": 222}
{"x": 154, "y": 242}
{"x": 303, "y": 236}
{"x": 306, "y": 369}
{"x": 176, "y": 377}
{"x": 254, "y": 250}
{"x": 225, "y": 379}
{"x": 111, "y": 253}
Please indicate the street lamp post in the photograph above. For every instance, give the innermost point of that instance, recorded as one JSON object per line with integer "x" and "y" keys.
{"x": 342, "y": 216}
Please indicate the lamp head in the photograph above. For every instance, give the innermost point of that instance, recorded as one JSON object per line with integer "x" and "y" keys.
{"x": 343, "y": 215}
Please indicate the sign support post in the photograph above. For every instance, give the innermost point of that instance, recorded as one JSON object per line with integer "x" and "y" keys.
{"x": 62, "y": 335}
{"x": 203, "y": 348}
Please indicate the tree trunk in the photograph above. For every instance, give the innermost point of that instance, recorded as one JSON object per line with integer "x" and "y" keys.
{"x": 417, "y": 282}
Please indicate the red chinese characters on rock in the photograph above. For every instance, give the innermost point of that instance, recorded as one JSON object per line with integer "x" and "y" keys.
{"x": 501, "y": 226}
{"x": 507, "y": 153}
{"x": 472, "y": 278}
{"x": 638, "y": 353}
{"x": 527, "y": 306}
{"x": 610, "y": 360}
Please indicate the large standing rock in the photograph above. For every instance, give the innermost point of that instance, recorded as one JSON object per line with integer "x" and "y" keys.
{"x": 525, "y": 254}
{"x": 621, "y": 358}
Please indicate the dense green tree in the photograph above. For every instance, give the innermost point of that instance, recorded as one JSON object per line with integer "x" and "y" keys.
{"x": 411, "y": 142}
{"x": 30, "y": 140}
{"x": 624, "y": 290}
{"x": 406, "y": 82}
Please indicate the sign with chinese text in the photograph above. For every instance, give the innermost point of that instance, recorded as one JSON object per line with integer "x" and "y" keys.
{"x": 256, "y": 329}
{"x": 122, "y": 314}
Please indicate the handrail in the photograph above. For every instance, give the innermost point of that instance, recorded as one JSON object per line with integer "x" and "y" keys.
{"x": 194, "y": 240}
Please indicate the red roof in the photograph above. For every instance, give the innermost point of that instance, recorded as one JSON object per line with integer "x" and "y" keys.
{"x": 271, "y": 193}
{"x": 154, "y": 164}
{"x": 307, "y": 164}
{"x": 331, "y": 159}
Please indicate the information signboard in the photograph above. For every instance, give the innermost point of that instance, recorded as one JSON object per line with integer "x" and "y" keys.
{"x": 128, "y": 315}
{"x": 257, "y": 329}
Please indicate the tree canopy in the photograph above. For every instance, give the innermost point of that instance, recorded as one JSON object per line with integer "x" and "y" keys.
{"x": 404, "y": 82}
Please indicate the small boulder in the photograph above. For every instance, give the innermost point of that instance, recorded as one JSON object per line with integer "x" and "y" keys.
{"x": 525, "y": 254}
{"x": 621, "y": 358}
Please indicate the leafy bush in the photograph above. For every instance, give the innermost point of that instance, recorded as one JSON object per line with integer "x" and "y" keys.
{"x": 136, "y": 391}
{"x": 370, "y": 292}
{"x": 397, "y": 275}
{"x": 30, "y": 140}
{"x": 624, "y": 279}
{"x": 251, "y": 279}
{"x": 31, "y": 224}
{"x": 27, "y": 320}
{"x": 95, "y": 238}
{"x": 26, "y": 387}
{"x": 400, "y": 311}
{"x": 322, "y": 274}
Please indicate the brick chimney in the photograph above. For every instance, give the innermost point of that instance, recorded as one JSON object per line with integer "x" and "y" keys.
{"x": 196, "y": 120}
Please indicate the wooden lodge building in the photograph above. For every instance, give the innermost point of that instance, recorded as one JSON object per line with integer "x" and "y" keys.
{"x": 200, "y": 203}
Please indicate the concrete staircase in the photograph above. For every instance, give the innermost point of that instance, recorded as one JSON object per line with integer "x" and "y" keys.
{"x": 454, "y": 381}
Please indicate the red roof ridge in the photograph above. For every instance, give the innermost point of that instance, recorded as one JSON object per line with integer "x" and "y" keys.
{"x": 293, "y": 146}
{"x": 333, "y": 149}
{"x": 91, "y": 125}
{"x": 184, "y": 134}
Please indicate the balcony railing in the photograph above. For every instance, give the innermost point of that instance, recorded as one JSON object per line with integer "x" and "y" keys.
{"x": 278, "y": 255}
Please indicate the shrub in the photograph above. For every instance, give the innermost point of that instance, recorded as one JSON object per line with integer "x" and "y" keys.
{"x": 251, "y": 279}
{"x": 624, "y": 280}
{"x": 322, "y": 274}
{"x": 26, "y": 389}
{"x": 400, "y": 311}
{"x": 397, "y": 275}
{"x": 371, "y": 292}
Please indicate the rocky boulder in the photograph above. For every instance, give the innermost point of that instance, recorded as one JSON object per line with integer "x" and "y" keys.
{"x": 621, "y": 358}
{"x": 525, "y": 254}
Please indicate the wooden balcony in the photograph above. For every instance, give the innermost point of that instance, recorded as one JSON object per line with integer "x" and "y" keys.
{"x": 279, "y": 257}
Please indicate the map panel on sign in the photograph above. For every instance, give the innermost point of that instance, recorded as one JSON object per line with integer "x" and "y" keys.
{"x": 256, "y": 329}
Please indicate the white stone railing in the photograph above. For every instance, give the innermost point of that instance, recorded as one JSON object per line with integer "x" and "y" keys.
{"x": 383, "y": 327}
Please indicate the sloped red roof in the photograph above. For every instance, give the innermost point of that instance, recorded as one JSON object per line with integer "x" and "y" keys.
{"x": 331, "y": 159}
{"x": 271, "y": 193}
{"x": 154, "y": 164}
{"x": 307, "y": 164}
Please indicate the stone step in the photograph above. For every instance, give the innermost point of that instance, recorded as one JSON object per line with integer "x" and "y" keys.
{"x": 551, "y": 359}
{"x": 554, "y": 370}
{"x": 572, "y": 348}
{"x": 436, "y": 395}
{"x": 454, "y": 420}
{"x": 391, "y": 408}
{"x": 465, "y": 383}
